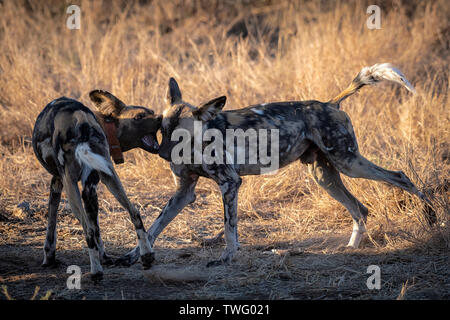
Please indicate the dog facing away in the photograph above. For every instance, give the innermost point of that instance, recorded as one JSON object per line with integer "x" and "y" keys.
{"x": 71, "y": 142}
{"x": 316, "y": 133}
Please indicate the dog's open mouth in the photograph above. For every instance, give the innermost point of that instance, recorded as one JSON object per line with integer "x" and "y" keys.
{"x": 150, "y": 143}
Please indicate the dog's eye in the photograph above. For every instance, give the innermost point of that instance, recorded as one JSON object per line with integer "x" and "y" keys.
{"x": 139, "y": 116}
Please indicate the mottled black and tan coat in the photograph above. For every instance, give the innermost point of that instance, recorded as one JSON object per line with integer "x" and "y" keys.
{"x": 318, "y": 134}
{"x": 69, "y": 140}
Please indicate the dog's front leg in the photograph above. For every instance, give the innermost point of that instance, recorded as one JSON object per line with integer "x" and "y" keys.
{"x": 229, "y": 184}
{"x": 183, "y": 196}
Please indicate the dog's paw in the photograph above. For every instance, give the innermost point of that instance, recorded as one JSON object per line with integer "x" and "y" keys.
{"x": 127, "y": 260}
{"x": 96, "y": 277}
{"x": 50, "y": 263}
{"x": 225, "y": 258}
{"x": 147, "y": 260}
{"x": 107, "y": 260}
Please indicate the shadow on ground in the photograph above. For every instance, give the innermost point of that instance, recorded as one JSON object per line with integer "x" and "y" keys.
{"x": 317, "y": 268}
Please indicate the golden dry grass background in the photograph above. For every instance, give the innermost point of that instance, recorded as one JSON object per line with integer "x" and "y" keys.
{"x": 252, "y": 52}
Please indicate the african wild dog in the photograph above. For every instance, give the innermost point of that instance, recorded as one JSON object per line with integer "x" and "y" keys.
{"x": 316, "y": 133}
{"x": 74, "y": 143}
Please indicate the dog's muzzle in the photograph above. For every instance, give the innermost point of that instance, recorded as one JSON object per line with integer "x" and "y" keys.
{"x": 165, "y": 155}
{"x": 150, "y": 143}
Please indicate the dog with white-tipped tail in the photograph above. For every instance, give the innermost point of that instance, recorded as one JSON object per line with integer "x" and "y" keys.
{"x": 75, "y": 144}
{"x": 316, "y": 133}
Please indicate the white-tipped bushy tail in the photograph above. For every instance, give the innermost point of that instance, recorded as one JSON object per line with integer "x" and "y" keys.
{"x": 371, "y": 75}
{"x": 84, "y": 155}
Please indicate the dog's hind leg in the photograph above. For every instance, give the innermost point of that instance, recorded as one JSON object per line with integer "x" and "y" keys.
{"x": 90, "y": 200}
{"x": 92, "y": 238}
{"x": 182, "y": 197}
{"x": 114, "y": 185}
{"x": 363, "y": 168}
{"x": 326, "y": 175}
{"x": 50, "y": 239}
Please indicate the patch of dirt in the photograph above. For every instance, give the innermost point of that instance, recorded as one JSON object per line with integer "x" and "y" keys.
{"x": 317, "y": 268}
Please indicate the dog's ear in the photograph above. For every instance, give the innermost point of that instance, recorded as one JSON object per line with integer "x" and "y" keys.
{"x": 210, "y": 109}
{"x": 107, "y": 103}
{"x": 173, "y": 92}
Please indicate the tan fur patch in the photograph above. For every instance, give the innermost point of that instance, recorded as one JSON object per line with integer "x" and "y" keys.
{"x": 234, "y": 119}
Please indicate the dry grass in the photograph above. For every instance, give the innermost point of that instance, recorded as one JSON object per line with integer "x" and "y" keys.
{"x": 289, "y": 51}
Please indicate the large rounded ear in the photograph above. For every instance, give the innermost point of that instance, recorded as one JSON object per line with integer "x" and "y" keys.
{"x": 210, "y": 109}
{"x": 173, "y": 92}
{"x": 106, "y": 103}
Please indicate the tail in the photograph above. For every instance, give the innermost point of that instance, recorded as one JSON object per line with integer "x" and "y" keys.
{"x": 371, "y": 75}
{"x": 84, "y": 153}
{"x": 86, "y": 156}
